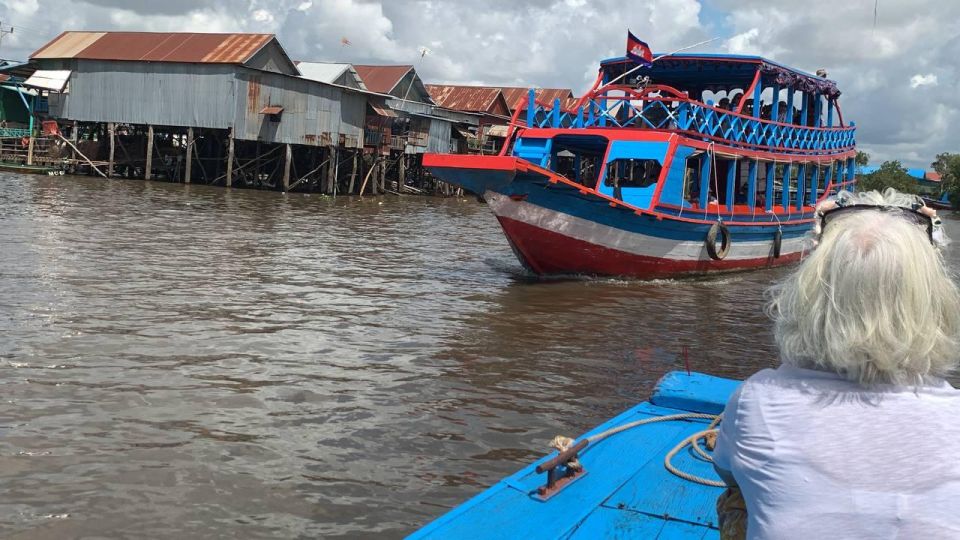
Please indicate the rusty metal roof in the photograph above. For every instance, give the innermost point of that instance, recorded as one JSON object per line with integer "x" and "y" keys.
{"x": 515, "y": 95}
{"x": 155, "y": 47}
{"x": 468, "y": 98}
{"x": 271, "y": 109}
{"x": 381, "y": 79}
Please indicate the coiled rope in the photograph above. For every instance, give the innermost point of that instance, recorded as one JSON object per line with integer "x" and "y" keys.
{"x": 692, "y": 440}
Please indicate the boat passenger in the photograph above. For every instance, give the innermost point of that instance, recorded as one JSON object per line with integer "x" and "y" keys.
{"x": 854, "y": 435}
{"x": 735, "y": 101}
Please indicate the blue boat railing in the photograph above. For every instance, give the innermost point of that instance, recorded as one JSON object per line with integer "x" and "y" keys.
{"x": 664, "y": 108}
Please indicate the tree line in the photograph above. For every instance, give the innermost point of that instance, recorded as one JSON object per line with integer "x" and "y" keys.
{"x": 894, "y": 174}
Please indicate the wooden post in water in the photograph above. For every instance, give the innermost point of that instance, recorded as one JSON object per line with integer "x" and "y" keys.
{"x": 286, "y": 168}
{"x": 353, "y": 173}
{"x": 113, "y": 143}
{"x": 149, "y": 165}
{"x": 30, "y": 150}
{"x": 331, "y": 169}
{"x": 229, "y": 180}
{"x": 189, "y": 164}
{"x": 401, "y": 173}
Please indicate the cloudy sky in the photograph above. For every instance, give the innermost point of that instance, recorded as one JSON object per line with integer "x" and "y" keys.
{"x": 898, "y": 69}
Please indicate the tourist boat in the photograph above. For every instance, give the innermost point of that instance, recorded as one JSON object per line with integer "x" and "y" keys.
{"x": 622, "y": 487}
{"x": 686, "y": 166}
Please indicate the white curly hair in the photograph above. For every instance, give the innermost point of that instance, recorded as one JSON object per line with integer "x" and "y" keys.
{"x": 873, "y": 302}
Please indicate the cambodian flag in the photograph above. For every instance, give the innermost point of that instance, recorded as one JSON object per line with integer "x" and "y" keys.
{"x": 638, "y": 51}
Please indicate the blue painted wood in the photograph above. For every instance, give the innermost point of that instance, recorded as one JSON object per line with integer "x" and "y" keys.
{"x": 814, "y": 184}
{"x": 768, "y": 194}
{"x": 786, "y": 185}
{"x": 531, "y": 107}
{"x": 752, "y": 183}
{"x": 830, "y": 106}
{"x": 705, "y": 179}
{"x": 695, "y": 392}
{"x": 731, "y": 182}
{"x": 791, "y": 93}
{"x": 626, "y": 492}
{"x": 757, "y": 91}
{"x": 775, "y": 110}
{"x": 803, "y": 109}
{"x": 801, "y": 184}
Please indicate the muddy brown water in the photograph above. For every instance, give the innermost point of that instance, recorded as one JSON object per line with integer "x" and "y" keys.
{"x": 194, "y": 362}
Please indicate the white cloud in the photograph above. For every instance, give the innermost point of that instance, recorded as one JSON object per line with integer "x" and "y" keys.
{"x": 262, "y": 16}
{"x": 743, "y": 43}
{"x": 923, "y": 80}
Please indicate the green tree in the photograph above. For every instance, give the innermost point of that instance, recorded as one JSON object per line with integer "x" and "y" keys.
{"x": 862, "y": 158}
{"x": 891, "y": 174}
{"x": 948, "y": 166}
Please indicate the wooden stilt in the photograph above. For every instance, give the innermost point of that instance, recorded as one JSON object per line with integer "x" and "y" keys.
{"x": 286, "y": 168}
{"x": 353, "y": 172}
{"x": 331, "y": 168}
{"x": 30, "y": 150}
{"x": 256, "y": 164}
{"x": 229, "y": 180}
{"x": 401, "y": 173}
{"x": 113, "y": 143}
{"x": 189, "y": 164}
{"x": 148, "y": 168}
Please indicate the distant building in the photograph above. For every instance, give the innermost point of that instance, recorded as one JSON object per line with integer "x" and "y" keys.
{"x": 515, "y": 96}
{"x": 398, "y": 81}
{"x": 218, "y": 81}
{"x": 331, "y": 73}
{"x": 486, "y": 102}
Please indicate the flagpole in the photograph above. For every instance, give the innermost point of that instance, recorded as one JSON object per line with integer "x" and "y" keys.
{"x": 658, "y": 58}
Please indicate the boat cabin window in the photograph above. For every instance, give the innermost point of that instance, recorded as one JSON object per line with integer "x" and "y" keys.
{"x": 579, "y": 157}
{"x": 633, "y": 172}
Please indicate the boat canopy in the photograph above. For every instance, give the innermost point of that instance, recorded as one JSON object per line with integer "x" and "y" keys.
{"x": 697, "y": 73}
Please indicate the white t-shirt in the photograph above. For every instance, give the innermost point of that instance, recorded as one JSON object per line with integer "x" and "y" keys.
{"x": 819, "y": 457}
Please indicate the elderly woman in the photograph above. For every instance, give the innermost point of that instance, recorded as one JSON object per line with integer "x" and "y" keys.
{"x": 855, "y": 434}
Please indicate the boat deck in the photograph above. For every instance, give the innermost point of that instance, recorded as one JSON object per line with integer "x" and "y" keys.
{"x": 626, "y": 491}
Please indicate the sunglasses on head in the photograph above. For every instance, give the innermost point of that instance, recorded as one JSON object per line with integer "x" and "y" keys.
{"x": 909, "y": 214}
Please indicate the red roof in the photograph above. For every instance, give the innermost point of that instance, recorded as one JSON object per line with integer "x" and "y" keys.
{"x": 515, "y": 95}
{"x": 479, "y": 99}
{"x": 932, "y": 176}
{"x": 155, "y": 47}
{"x": 381, "y": 79}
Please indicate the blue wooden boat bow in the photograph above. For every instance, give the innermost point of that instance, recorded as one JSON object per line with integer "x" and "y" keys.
{"x": 624, "y": 491}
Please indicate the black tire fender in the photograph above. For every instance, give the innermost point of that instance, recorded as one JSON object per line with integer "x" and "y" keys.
{"x": 721, "y": 230}
{"x": 777, "y": 241}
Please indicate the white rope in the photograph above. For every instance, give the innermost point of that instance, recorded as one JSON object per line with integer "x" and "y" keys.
{"x": 667, "y": 461}
{"x": 670, "y": 417}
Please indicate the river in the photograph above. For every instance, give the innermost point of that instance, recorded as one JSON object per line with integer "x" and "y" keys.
{"x": 194, "y": 362}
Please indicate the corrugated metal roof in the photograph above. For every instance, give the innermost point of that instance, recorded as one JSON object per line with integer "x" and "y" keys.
{"x": 155, "y": 47}
{"x": 271, "y": 109}
{"x": 53, "y": 80}
{"x": 464, "y": 98}
{"x": 327, "y": 72}
{"x": 381, "y": 79}
{"x": 515, "y": 95}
